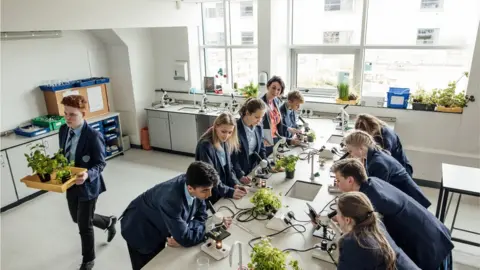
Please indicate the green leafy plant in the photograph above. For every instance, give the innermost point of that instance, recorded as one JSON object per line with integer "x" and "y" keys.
{"x": 63, "y": 166}
{"x": 448, "y": 98}
{"x": 40, "y": 162}
{"x": 311, "y": 135}
{"x": 343, "y": 91}
{"x": 266, "y": 257}
{"x": 250, "y": 90}
{"x": 265, "y": 198}
{"x": 287, "y": 162}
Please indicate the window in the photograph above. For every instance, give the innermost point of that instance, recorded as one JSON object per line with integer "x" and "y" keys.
{"x": 247, "y": 38}
{"x": 233, "y": 49}
{"x": 399, "y": 44}
{"x": 337, "y": 37}
{"x": 336, "y": 5}
{"x": 431, "y": 4}
{"x": 246, "y": 8}
{"x": 427, "y": 36}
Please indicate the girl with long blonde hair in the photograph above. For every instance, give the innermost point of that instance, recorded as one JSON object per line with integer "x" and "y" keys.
{"x": 385, "y": 137}
{"x": 365, "y": 243}
{"x": 215, "y": 147}
{"x": 382, "y": 165}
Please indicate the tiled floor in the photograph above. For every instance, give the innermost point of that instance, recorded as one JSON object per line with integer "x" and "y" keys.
{"x": 40, "y": 235}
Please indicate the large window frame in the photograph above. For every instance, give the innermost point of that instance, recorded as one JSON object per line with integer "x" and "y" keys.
{"x": 357, "y": 50}
{"x": 227, "y": 45}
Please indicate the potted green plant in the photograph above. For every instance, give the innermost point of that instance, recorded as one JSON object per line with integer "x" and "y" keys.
{"x": 63, "y": 167}
{"x": 289, "y": 163}
{"x": 311, "y": 137}
{"x": 343, "y": 91}
{"x": 265, "y": 201}
{"x": 423, "y": 101}
{"x": 40, "y": 163}
{"x": 266, "y": 257}
{"x": 250, "y": 90}
{"x": 449, "y": 101}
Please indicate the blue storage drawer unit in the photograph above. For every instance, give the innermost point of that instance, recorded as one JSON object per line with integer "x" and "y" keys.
{"x": 111, "y": 120}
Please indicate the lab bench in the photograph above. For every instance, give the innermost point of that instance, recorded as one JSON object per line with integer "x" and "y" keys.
{"x": 14, "y": 165}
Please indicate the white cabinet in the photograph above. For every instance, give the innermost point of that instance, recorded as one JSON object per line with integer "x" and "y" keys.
{"x": 51, "y": 144}
{"x": 20, "y": 169}
{"x": 8, "y": 193}
{"x": 183, "y": 132}
{"x": 159, "y": 132}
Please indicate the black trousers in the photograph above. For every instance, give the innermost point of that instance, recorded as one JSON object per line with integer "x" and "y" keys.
{"x": 139, "y": 260}
{"x": 83, "y": 213}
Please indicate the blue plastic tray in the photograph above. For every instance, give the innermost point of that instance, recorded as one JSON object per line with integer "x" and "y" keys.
{"x": 54, "y": 88}
{"x": 40, "y": 131}
{"x": 101, "y": 80}
{"x": 84, "y": 82}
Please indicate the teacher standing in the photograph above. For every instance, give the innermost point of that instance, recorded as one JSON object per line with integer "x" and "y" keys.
{"x": 272, "y": 122}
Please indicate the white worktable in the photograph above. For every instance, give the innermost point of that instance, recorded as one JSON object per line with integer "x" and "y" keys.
{"x": 185, "y": 258}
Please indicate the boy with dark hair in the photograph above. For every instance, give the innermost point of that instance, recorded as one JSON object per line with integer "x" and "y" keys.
{"x": 172, "y": 213}
{"x": 413, "y": 228}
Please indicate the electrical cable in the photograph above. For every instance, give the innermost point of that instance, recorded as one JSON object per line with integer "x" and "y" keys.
{"x": 236, "y": 207}
{"x": 331, "y": 257}
{"x": 274, "y": 234}
{"x": 226, "y": 207}
{"x": 299, "y": 250}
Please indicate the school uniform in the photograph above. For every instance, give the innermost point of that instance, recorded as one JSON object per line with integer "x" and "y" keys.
{"x": 391, "y": 142}
{"x": 86, "y": 147}
{"x": 289, "y": 120}
{"x": 220, "y": 159}
{"x": 165, "y": 210}
{"x": 381, "y": 165}
{"x": 413, "y": 228}
{"x": 272, "y": 122}
{"x": 251, "y": 142}
{"x": 356, "y": 256}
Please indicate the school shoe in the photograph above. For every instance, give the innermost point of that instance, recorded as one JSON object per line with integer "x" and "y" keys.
{"x": 87, "y": 265}
{"x": 111, "y": 228}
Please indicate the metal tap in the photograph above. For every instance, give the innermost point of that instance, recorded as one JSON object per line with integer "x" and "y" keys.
{"x": 164, "y": 100}
{"x": 240, "y": 251}
{"x": 203, "y": 106}
{"x": 312, "y": 154}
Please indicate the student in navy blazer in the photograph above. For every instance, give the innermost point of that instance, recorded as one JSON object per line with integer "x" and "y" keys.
{"x": 250, "y": 135}
{"x": 86, "y": 147}
{"x": 413, "y": 228}
{"x": 385, "y": 137}
{"x": 381, "y": 165}
{"x": 272, "y": 122}
{"x": 172, "y": 213}
{"x": 215, "y": 147}
{"x": 289, "y": 119}
{"x": 365, "y": 244}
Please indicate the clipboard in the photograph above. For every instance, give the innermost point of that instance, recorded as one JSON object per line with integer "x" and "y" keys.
{"x": 267, "y": 135}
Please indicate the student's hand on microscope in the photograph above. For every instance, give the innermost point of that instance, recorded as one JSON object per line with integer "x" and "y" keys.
{"x": 227, "y": 221}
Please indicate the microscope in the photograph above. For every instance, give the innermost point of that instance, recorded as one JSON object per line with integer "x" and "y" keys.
{"x": 343, "y": 118}
{"x": 214, "y": 237}
{"x": 233, "y": 105}
{"x": 165, "y": 98}
{"x": 328, "y": 249}
{"x": 203, "y": 105}
{"x": 280, "y": 147}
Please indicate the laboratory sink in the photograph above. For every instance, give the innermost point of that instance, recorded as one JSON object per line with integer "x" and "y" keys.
{"x": 335, "y": 139}
{"x": 189, "y": 109}
{"x": 303, "y": 190}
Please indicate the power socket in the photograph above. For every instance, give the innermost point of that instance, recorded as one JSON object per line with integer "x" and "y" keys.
{"x": 279, "y": 222}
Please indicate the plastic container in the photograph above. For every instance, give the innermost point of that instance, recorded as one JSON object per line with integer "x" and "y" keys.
{"x": 84, "y": 82}
{"x": 54, "y": 88}
{"x": 101, "y": 80}
{"x": 53, "y": 122}
{"x": 35, "y": 130}
{"x": 398, "y": 97}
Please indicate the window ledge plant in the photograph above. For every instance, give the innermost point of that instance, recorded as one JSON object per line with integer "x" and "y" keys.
{"x": 448, "y": 101}
{"x": 250, "y": 90}
{"x": 345, "y": 96}
{"x": 289, "y": 163}
{"x": 423, "y": 101}
{"x": 266, "y": 257}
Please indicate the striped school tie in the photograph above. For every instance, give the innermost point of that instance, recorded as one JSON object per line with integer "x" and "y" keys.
{"x": 68, "y": 144}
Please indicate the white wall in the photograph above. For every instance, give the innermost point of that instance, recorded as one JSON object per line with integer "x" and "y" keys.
{"x": 26, "y": 64}
{"x": 27, "y": 15}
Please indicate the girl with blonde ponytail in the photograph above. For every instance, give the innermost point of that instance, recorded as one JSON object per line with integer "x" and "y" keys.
{"x": 365, "y": 243}
{"x": 382, "y": 165}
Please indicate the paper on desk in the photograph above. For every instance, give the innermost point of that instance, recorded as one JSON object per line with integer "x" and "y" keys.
{"x": 95, "y": 98}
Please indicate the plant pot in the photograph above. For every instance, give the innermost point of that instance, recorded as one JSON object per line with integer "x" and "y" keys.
{"x": 289, "y": 175}
{"x": 45, "y": 177}
{"x": 450, "y": 110}
{"x": 423, "y": 107}
{"x": 310, "y": 139}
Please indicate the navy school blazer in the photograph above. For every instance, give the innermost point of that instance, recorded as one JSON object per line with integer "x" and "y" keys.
{"x": 161, "y": 212}
{"x": 242, "y": 165}
{"x": 90, "y": 154}
{"x": 391, "y": 142}
{"x": 288, "y": 121}
{"x": 381, "y": 165}
{"x": 353, "y": 256}
{"x": 206, "y": 152}
{"x": 413, "y": 228}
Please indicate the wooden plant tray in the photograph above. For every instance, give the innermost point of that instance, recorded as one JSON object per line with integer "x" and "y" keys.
{"x": 350, "y": 102}
{"x": 452, "y": 110}
{"x": 33, "y": 181}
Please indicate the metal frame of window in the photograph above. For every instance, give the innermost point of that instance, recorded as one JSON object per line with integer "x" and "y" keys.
{"x": 357, "y": 50}
{"x": 227, "y": 46}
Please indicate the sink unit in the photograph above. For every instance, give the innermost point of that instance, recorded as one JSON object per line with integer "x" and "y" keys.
{"x": 189, "y": 109}
{"x": 335, "y": 139}
{"x": 303, "y": 190}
